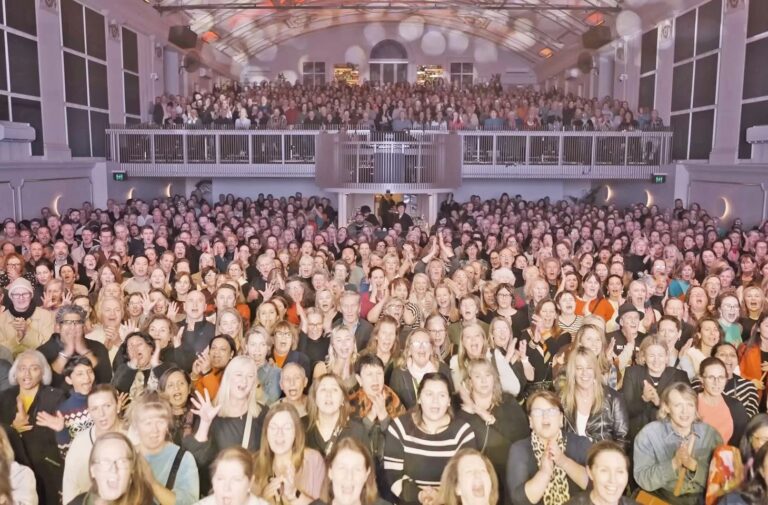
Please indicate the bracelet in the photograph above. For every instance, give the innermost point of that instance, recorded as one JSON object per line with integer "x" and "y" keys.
{"x": 65, "y": 356}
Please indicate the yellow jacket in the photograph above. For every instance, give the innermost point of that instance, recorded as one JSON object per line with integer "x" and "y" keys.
{"x": 40, "y": 327}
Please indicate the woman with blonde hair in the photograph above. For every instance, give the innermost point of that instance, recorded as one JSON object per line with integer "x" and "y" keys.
{"x": 487, "y": 293}
{"x": 384, "y": 342}
{"x": 469, "y": 479}
{"x": 351, "y": 475}
{"x": 229, "y": 322}
{"x": 445, "y": 302}
{"x": 235, "y": 417}
{"x": 418, "y": 359}
{"x": 496, "y": 417}
{"x": 118, "y": 475}
{"x": 591, "y": 408}
{"x": 259, "y": 348}
{"x": 267, "y": 315}
{"x": 285, "y": 467}
{"x": 341, "y": 357}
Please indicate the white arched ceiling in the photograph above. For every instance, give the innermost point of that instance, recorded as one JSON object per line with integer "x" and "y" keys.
{"x": 243, "y": 32}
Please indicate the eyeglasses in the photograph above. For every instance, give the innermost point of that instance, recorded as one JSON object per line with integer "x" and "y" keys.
{"x": 24, "y": 294}
{"x": 68, "y": 322}
{"x": 550, "y": 412}
{"x": 14, "y": 265}
{"x": 107, "y": 464}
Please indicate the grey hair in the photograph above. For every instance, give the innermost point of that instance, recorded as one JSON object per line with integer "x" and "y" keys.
{"x": 70, "y": 309}
{"x": 46, "y": 368}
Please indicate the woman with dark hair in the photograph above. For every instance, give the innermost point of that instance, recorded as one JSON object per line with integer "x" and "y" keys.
{"x": 118, "y": 475}
{"x": 544, "y": 338}
{"x": 140, "y": 366}
{"x": 420, "y": 443}
{"x": 755, "y": 354}
{"x": 175, "y": 386}
{"x": 469, "y": 479}
{"x": 608, "y": 470}
{"x": 329, "y": 415}
{"x": 548, "y": 466}
{"x": 351, "y": 476}
{"x": 725, "y": 414}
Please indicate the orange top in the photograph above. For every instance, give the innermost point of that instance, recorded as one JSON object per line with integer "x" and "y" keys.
{"x": 210, "y": 381}
{"x": 718, "y": 416}
{"x": 750, "y": 366}
{"x": 599, "y": 307}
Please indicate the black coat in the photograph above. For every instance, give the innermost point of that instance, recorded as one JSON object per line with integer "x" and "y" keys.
{"x": 611, "y": 423}
{"x": 641, "y": 412}
{"x": 39, "y": 442}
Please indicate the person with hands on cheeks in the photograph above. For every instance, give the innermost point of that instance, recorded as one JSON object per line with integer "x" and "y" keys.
{"x": 469, "y": 479}
{"x": 69, "y": 342}
{"x": 420, "y": 443}
{"x": 173, "y": 473}
{"x": 23, "y": 325}
{"x": 671, "y": 456}
{"x": 287, "y": 471}
{"x": 20, "y": 405}
{"x": 209, "y": 367}
{"x": 643, "y": 384}
{"x": 140, "y": 367}
{"x": 547, "y": 467}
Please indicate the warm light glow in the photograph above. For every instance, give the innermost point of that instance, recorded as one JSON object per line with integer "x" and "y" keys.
{"x": 595, "y": 19}
{"x": 168, "y": 190}
{"x": 546, "y": 52}
{"x": 608, "y": 193}
{"x": 648, "y": 198}
{"x": 130, "y": 194}
{"x": 56, "y": 205}
{"x": 727, "y": 207}
{"x": 210, "y": 36}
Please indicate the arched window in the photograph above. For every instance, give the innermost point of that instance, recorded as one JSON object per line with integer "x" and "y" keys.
{"x": 389, "y": 50}
{"x": 388, "y": 62}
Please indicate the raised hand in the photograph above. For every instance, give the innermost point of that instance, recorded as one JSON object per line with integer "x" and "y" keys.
{"x": 203, "y": 407}
{"x": 53, "y": 421}
{"x": 268, "y": 292}
{"x": 173, "y": 311}
{"x": 66, "y": 299}
{"x": 177, "y": 339}
{"x": 146, "y": 304}
{"x": 202, "y": 364}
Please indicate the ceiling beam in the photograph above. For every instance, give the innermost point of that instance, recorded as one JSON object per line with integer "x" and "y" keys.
{"x": 410, "y": 6}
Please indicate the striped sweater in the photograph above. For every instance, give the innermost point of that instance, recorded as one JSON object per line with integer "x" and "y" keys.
{"x": 413, "y": 458}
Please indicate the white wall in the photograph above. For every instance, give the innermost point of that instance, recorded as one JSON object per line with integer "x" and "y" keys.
{"x": 353, "y": 43}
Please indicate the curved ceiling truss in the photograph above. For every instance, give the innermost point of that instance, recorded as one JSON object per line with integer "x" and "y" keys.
{"x": 241, "y": 28}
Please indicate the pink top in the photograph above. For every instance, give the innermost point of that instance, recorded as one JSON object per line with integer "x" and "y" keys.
{"x": 718, "y": 416}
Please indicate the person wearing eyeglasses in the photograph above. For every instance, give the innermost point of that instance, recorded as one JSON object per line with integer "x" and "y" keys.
{"x": 724, "y": 413}
{"x": 547, "y": 467}
{"x": 68, "y": 341}
{"x": 117, "y": 474}
{"x": 23, "y": 325}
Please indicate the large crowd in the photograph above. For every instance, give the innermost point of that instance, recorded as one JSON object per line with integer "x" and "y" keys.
{"x": 397, "y": 107}
{"x": 243, "y": 351}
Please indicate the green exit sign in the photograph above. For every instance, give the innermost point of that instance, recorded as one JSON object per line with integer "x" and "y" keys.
{"x": 119, "y": 176}
{"x": 659, "y": 178}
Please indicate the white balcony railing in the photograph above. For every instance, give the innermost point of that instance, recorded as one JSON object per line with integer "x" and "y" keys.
{"x": 153, "y": 152}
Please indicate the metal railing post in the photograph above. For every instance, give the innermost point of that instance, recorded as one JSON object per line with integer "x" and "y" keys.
{"x": 494, "y": 146}
{"x": 152, "y": 148}
{"x": 217, "y": 147}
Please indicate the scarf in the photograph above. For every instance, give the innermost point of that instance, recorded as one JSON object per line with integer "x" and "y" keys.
{"x": 557, "y": 491}
{"x": 417, "y": 372}
{"x": 24, "y": 314}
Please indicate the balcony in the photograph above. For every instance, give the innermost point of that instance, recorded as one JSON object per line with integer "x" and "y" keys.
{"x": 359, "y": 159}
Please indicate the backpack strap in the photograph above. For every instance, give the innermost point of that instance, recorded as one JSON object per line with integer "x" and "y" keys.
{"x": 175, "y": 468}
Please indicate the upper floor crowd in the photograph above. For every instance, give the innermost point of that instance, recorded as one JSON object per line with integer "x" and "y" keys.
{"x": 257, "y": 349}
{"x": 397, "y": 107}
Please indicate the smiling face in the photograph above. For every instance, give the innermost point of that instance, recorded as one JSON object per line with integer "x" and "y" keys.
{"x": 609, "y": 476}
{"x": 421, "y": 348}
{"x": 111, "y": 469}
{"x": 81, "y": 379}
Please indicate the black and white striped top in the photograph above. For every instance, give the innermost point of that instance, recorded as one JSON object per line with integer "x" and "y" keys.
{"x": 413, "y": 458}
{"x": 737, "y": 387}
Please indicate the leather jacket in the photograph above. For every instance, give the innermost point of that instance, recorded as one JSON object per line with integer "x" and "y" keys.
{"x": 611, "y": 423}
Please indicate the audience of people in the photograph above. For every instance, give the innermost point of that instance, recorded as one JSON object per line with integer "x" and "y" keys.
{"x": 256, "y": 350}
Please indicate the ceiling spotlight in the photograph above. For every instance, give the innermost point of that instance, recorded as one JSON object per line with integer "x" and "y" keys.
{"x": 210, "y": 36}
{"x": 546, "y": 52}
{"x": 595, "y": 19}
